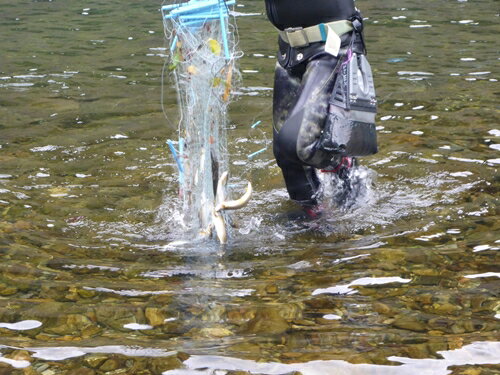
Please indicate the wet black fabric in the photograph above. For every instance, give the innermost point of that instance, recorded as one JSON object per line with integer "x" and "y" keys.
{"x": 304, "y": 80}
{"x": 305, "y": 13}
{"x": 300, "y": 98}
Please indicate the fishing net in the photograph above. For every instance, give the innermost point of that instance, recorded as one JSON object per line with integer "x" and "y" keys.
{"x": 203, "y": 50}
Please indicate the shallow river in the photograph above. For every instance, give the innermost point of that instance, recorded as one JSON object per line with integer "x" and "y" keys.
{"x": 404, "y": 281}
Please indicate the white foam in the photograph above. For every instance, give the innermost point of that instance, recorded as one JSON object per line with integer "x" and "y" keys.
{"x": 481, "y": 248}
{"x": 341, "y": 260}
{"x": 92, "y": 267}
{"x": 411, "y": 73}
{"x": 332, "y": 317}
{"x": 473, "y": 354}
{"x": 136, "y": 326}
{"x": 45, "y": 148}
{"x": 479, "y": 275}
{"x": 15, "y": 363}
{"x": 494, "y": 132}
{"x": 23, "y": 325}
{"x": 346, "y": 289}
{"x": 129, "y": 293}
{"x": 466, "y": 160}
{"x": 118, "y": 136}
{"x": 62, "y": 353}
{"x": 57, "y": 354}
{"x": 461, "y": 174}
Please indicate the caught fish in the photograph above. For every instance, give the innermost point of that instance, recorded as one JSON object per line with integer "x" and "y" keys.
{"x": 220, "y": 195}
{"x": 221, "y": 204}
{"x": 220, "y": 226}
{"x": 237, "y": 203}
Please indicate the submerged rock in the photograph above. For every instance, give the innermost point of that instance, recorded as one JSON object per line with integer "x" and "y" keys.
{"x": 267, "y": 321}
{"x": 72, "y": 324}
{"x": 155, "y": 316}
{"x": 411, "y": 323}
{"x": 95, "y": 360}
{"x": 210, "y": 332}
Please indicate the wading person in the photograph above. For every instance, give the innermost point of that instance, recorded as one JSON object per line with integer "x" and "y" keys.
{"x": 324, "y": 101}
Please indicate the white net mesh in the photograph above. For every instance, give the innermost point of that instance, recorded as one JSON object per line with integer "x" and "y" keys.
{"x": 202, "y": 41}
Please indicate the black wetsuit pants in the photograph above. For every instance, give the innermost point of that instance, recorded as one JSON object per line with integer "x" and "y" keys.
{"x": 300, "y": 108}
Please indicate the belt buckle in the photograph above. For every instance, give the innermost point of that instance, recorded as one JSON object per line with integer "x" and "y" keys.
{"x": 297, "y": 37}
{"x": 293, "y": 29}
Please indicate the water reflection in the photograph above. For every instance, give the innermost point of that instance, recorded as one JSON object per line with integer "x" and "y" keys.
{"x": 93, "y": 256}
{"x": 474, "y": 354}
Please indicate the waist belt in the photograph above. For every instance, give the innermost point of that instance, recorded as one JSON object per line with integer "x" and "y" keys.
{"x": 301, "y": 37}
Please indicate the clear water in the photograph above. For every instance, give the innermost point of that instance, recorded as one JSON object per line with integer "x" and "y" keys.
{"x": 96, "y": 277}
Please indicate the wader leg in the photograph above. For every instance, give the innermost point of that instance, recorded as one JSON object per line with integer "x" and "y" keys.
{"x": 300, "y": 110}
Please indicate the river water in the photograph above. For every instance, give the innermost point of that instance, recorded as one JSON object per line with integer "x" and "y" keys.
{"x": 96, "y": 277}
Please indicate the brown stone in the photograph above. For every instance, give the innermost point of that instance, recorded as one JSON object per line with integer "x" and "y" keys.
{"x": 210, "y": 332}
{"x": 110, "y": 365}
{"x": 435, "y": 333}
{"x": 6, "y": 290}
{"x": 410, "y": 323}
{"x": 292, "y": 355}
{"x": 441, "y": 324}
{"x": 445, "y": 308}
{"x": 455, "y": 342}
{"x": 267, "y": 321}
{"x": 272, "y": 289}
{"x": 240, "y": 316}
{"x": 154, "y": 316}
{"x": 246, "y": 347}
{"x": 21, "y": 355}
{"x": 71, "y": 324}
{"x": 382, "y": 308}
{"x": 95, "y": 360}
{"x": 120, "y": 371}
{"x": 83, "y": 371}
{"x": 182, "y": 356}
{"x": 160, "y": 365}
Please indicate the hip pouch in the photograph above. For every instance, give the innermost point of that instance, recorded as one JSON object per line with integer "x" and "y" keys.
{"x": 350, "y": 126}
